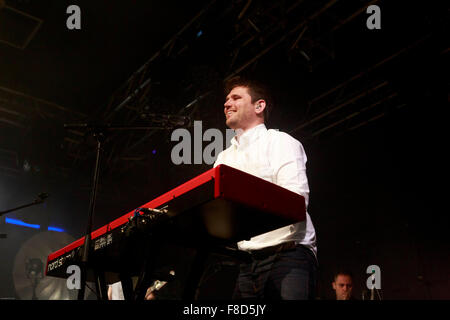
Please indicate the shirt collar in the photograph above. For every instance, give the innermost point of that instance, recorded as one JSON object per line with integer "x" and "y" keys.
{"x": 249, "y": 136}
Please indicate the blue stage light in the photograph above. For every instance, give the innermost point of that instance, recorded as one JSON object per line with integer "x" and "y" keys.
{"x": 55, "y": 229}
{"x": 21, "y": 223}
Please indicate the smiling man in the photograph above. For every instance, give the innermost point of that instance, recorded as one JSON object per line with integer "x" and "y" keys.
{"x": 241, "y": 112}
{"x": 284, "y": 261}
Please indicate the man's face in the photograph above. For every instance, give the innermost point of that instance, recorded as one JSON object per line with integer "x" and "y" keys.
{"x": 239, "y": 109}
{"x": 343, "y": 286}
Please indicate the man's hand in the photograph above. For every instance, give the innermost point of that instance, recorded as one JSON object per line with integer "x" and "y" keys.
{"x": 149, "y": 294}
{"x": 151, "y": 291}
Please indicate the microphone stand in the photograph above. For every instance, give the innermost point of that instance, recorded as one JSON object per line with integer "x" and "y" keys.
{"x": 99, "y": 134}
{"x": 39, "y": 200}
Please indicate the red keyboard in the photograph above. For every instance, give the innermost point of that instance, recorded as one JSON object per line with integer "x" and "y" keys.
{"x": 218, "y": 207}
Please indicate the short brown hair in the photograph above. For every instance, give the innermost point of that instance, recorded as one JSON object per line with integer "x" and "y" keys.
{"x": 343, "y": 272}
{"x": 256, "y": 90}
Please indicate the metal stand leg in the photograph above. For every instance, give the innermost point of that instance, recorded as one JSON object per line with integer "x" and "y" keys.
{"x": 100, "y": 285}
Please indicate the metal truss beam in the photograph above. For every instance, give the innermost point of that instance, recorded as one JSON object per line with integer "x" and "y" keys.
{"x": 315, "y": 118}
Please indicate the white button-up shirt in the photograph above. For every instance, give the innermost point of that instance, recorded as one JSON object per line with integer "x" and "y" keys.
{"x": 278, "y": 158}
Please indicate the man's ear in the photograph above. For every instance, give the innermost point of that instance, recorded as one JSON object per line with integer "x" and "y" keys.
{"x": 260, "y": 106}
{"x": 334, "y": 285}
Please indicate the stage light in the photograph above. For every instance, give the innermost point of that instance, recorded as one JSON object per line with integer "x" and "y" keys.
{"x": 21, "y": 223}
{"x": 55, "y": 229}
{"x": 154, "y": 151}
{"x": 199, "y": 33}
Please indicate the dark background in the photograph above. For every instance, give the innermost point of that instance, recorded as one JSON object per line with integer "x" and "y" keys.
{"x": 367, "y": 105}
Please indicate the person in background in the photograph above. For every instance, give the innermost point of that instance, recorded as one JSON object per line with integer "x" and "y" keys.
{"x": 343, "y": 285}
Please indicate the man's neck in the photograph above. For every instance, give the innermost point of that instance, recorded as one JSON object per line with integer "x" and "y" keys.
{"x": 240, "y": 132}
